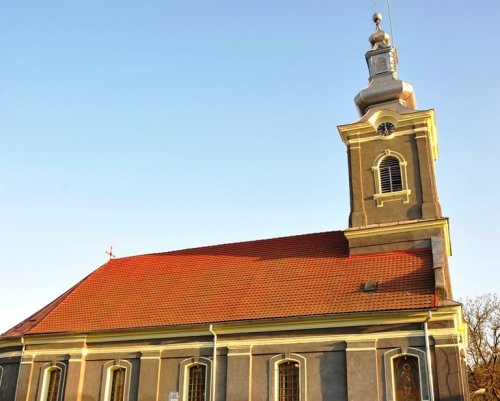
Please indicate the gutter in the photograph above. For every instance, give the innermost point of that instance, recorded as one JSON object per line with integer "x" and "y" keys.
{"x": 428, "y": 354}
{"x": 214, "y": 363}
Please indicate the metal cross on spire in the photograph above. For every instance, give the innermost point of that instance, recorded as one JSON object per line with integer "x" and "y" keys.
{"x": 110, "y": 253}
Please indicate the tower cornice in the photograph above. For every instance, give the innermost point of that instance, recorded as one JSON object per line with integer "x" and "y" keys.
{"x": 416, "y": 123}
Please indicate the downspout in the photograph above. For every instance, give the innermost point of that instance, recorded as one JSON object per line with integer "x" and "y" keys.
{"x": 428, "y": 354}
{"x": 214, "y": 363}
{"x": 20, "y": 366}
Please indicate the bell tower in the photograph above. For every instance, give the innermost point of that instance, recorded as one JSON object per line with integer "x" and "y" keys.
{"x": 391, "y": 152}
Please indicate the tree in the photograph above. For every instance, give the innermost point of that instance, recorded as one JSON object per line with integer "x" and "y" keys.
{"x": 483, "y": 353}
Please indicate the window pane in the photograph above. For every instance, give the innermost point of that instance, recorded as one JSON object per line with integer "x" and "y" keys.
{"x": 117, "y": 385}
{"x": 407, "y": 378}
{"x": 288, "y": 386}
{"x": 54, "y": 380}
{"x": 196, "y": 384}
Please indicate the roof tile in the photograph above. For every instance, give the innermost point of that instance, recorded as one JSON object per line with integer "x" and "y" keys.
{"x": 303, "y": 275}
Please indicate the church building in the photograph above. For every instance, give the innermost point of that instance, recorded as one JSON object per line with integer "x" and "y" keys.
{"x": 363, "y": 314}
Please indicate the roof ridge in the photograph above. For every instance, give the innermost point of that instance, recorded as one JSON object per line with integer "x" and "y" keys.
{"x": 229, "y": 243}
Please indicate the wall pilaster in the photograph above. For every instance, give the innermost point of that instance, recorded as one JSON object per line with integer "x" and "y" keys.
{"x": 430, "y": 204}
{"x": 362, "y": 379}
{"x": 239, "y": 374}
{"x": 449, "y": 370}
{"x": 24, "y": 381}
{"x": 358, "y": 213}
{"x": 74, "y": 378}
{"x": 149, "y": 377}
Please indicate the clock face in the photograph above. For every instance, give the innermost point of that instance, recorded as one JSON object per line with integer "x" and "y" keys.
{"x": 386, "y": 129}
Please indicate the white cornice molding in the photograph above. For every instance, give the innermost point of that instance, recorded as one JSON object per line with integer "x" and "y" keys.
{"x": 402, "y": 227}
{"x": 249, "y": 327}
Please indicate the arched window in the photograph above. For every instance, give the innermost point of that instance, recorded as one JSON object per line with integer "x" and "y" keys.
{"x": 390, "y": 175}
{"x": 52, "y": 384}
{"x": 117, "y": 390}
{"x": 195, "y": 376}
{"x": 406, "y": 375}
{"x": 287, "y": 378}
{"x": 406, "y": 378}
{"x": 288, "y": 381}
{"x": 115, "y": 380}
{"x": 197, "y": 381}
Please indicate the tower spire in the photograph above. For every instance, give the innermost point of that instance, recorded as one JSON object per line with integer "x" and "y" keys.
{"x": 385, "y": 89}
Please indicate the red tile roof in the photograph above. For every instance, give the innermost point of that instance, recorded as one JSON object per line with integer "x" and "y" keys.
{"x": 303, "y": 275}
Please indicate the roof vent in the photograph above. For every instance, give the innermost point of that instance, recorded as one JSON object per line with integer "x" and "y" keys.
{"x": 370, "y": 286}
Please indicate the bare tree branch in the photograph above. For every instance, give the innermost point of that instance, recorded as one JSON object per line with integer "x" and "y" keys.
{"x": 483, "y": 360}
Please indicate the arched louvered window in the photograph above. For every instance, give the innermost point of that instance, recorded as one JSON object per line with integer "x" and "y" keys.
{"x": 117, "y": 384}
{"x": 390, "y": 175}
{"x": 53, "y": 384}
{"x": 288, "y": 381}
{"x": 197, "y": 383}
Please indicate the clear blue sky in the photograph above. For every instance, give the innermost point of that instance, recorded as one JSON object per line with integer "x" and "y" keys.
{"x": 158, "y": 125}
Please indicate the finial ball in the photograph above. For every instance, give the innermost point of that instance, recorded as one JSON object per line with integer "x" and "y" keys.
{"x": 377, "y": 18}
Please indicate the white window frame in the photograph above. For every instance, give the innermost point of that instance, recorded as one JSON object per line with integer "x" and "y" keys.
{"x": 107, "y": 377}
{"x": 47, "y": 368}
{"x": 381, "y": 197}
{"x": 184, "y": 367}
{"x": 390, "y": 380}
{"x": 274, "y": 363}
{"x": 1, "y": 375}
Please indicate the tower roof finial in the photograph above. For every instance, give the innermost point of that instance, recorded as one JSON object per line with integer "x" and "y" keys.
{"x": 379, "y": 38}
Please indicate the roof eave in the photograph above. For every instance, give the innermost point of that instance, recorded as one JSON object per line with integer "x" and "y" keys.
{"x": 351, "y": 319}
